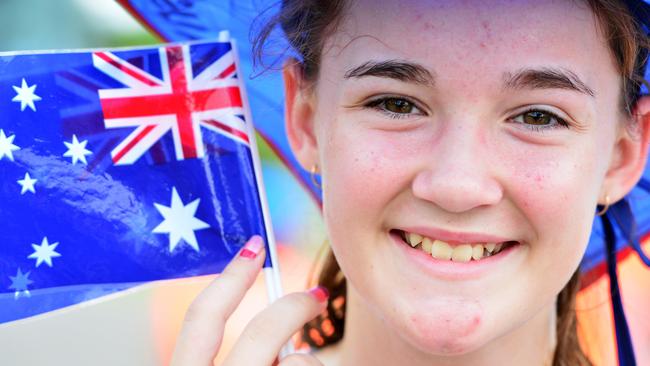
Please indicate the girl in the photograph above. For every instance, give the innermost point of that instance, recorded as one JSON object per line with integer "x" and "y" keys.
{"x": 463, "y": 147}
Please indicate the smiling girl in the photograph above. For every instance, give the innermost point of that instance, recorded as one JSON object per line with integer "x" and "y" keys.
{"x": 463, "y": 148}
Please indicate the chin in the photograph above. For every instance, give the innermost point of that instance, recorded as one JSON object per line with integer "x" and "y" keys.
{"x": 445, "y": 327}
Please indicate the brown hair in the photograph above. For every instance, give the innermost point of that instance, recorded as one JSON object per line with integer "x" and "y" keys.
{"x": 628, "y": 43}
{"x": 306, "y": 23}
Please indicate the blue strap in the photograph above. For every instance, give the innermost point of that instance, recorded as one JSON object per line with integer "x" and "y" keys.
{"x": 644, "y": 184}
{"x": 621, "y": 211}
{"x": 623, "y": 339}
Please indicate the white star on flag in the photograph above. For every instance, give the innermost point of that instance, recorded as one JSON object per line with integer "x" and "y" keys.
{"x": 44, "y": 252}
{"x": 25, "y": 95}
{"x": 180, "y": 222}
{"x": 27, "y": 184}
{"x": 77, "y": 150}
{"x": 6, "y": 146}
{"x": 19, "y": 282}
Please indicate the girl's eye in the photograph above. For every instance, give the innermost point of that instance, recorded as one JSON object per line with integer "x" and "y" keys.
{"x": 398, "y": 105}
{"x": 536, "y": 119}
{"x": 395, "y": 107}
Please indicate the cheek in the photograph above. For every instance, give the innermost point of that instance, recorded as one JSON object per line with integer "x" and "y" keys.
{"x": 363, "y": 173}
{"x": 551, "y": 184}
{"x": 362, "y": 178}
{"x": 556, "y": 191}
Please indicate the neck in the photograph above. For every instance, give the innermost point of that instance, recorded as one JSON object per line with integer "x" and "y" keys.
{"x": 369, "y": 341}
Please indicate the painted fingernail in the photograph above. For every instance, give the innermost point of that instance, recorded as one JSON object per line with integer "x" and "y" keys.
{"x": 320, "y": 293}
{"x": 252, "y": 248}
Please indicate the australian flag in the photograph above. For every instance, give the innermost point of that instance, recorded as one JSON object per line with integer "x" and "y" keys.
{"x": 119, "y": 167}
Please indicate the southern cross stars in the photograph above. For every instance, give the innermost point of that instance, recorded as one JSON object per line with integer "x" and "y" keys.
{"x": 27, "y": 184}
{"x": 180, "y": 222}
{"x": 26, "y": 96}
{"x": 19, "y": 282}
{"x": 6, "y": 146}
{"x": 44, "y": 252}
{"x": 77, "y": 150}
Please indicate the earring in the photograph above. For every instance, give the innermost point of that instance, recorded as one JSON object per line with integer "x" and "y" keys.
{"x": 313, "y": 171}
{"x": 606, "y": 206}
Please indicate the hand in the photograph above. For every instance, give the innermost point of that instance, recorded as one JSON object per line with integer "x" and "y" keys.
{"x": 262, "y": 339}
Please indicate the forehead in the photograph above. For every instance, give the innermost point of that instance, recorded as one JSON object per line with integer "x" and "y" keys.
{"x": 471, "y": 36}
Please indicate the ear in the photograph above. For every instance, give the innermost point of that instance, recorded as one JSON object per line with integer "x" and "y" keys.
{"x": 299, "y": 110}
{"x": 630, "y": 154}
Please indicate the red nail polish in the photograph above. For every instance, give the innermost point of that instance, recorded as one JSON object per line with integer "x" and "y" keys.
{"x": 252, "y": 248}
{"x": 320, "y": 293}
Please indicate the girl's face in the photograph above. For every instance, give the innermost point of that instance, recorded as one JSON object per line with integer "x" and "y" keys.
{"x": 466, "y": 122}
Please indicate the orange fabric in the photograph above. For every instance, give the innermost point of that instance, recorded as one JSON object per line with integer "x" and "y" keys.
{"x": 595, "y": 322}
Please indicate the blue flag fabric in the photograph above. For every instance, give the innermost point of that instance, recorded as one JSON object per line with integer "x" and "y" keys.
{"x": 175, "y": 21}
{"x": 120, "y": 167}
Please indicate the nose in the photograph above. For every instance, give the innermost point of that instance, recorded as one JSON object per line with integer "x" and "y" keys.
{"x": 459, "y": 173}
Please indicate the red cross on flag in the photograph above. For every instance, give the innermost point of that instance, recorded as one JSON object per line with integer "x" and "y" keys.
{"x": 181, "y": 103}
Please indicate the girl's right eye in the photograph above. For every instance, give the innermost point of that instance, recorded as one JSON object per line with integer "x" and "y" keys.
{"x": 395, "y": 107}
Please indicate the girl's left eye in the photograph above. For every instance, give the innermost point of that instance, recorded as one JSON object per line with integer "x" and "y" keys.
{"x": 536, "y": 119}
{"x": 395, "y": 107}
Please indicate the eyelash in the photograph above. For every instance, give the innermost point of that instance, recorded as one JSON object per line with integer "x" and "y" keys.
{"x": 379, "y": 104}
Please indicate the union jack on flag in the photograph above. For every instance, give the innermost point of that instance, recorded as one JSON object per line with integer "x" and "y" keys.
{"x": 178, "y": 102}
{"x": 120, "y": 167}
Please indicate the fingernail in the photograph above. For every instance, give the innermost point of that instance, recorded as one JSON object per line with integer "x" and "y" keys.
{"x": 252, "y": 248}
{"x": 320, "y": 293}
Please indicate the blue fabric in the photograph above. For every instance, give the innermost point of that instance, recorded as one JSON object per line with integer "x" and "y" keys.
{"x": 623, "y": 339}
{"x": 204, "y": 19}
{"x": 76, "y": 222}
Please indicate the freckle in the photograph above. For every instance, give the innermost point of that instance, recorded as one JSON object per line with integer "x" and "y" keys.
{"x": 487, "y": 28}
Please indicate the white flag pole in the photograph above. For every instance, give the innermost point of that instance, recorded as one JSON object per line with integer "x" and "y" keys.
{"x": 271, "y": 275}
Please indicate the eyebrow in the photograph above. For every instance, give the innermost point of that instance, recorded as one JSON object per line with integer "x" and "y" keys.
{"x": 547, "y": 78}
{"x": 395, "y": 69}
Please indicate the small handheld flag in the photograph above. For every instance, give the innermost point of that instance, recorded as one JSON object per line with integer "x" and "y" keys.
{"x": 120, "y": 167}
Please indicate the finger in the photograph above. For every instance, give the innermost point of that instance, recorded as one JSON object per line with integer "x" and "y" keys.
{"x": 202, "y": 331}
{"x": 261, "y": 340}
{"x": 298, "y": 359}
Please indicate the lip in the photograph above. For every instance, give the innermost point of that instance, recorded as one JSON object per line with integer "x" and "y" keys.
{"x": 451, "y": 237}
{"x": 457, "y": 271}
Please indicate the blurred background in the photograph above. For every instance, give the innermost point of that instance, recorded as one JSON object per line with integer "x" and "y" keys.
{"x": 139, "y": 326}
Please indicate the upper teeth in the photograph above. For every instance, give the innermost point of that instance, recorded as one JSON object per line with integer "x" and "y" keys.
{"x": 459, "y": 253}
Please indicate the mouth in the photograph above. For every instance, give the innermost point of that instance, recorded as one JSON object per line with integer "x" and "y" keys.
{"x": 453, "y": 252}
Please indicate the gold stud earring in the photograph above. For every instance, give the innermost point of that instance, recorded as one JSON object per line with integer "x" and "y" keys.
{"x": 606, "y": 206}
{"x": 313, "y": 171}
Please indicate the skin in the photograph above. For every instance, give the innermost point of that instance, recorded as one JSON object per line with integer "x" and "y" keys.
{"x": 463, "y": 160}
